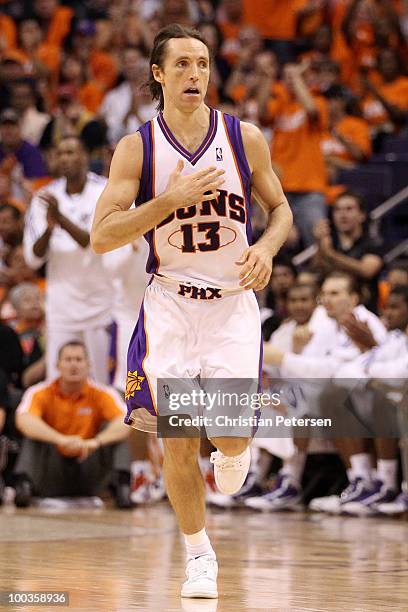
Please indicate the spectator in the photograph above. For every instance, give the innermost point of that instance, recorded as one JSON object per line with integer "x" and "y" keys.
{"x": 396, "y": 275}
{"x": 66, "y": 452}
{"x": 11, "y": 229}
{"x": 127, "y": 106}
{"x": 100, "y": 65}
{"x": 28, "y": 163}
{"x": 345, "y": 245}
{"x": 385, "y": 104}
{"x": 34, "y": 52}
{"x": 11, "y": 70}
{"x": 27, "y": 299}
{"x": 57, "y": 231}
{"x": 74, "y": 72}
{"x": 55, "y": 20}
{"x": 299, "y": 120}
{"x": 23, "y": 100}
{"x": 347, "y": 141}
{"x": 283, "y": 277}
{"x": 277, "y": 24}
{"x": 70, "y": 118}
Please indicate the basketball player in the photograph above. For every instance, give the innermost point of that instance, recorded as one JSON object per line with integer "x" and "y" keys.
{"x": 192, "y": 169}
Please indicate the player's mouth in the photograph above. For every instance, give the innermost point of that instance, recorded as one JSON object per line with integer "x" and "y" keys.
{"x": 192, "y": 92}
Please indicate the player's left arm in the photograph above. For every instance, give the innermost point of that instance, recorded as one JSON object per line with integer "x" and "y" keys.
{"x": 256, "y": 261}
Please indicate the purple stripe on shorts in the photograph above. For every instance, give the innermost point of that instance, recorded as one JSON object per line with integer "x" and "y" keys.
{"x": 146, "y": 189}
{"x": 234, "y": 132}
{"x": 136, "y": 355}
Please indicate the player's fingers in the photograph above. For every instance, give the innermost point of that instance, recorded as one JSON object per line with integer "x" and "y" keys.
{"x": 252, "y": 275}
{"x": 247, "y": 269}
{"x": 243, "y": 257}
{"x": 179, "y": 167}
{"x": 205, "y": 172}
{"x": 209, "y": 196}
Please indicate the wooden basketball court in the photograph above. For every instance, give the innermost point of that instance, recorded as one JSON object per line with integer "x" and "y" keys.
{"x": 134, "y": 560}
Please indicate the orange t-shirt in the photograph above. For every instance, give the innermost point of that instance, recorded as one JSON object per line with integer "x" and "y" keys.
{"x": 396, "y": 93}
{"x": 353, "y": 129}
{"x": 274, "y": 19}
{"x": 80, "y": 414}
{"x": 91, "y": 95}
{"x": 8, "y": 31}
{"x": 60, "y": 26}
{"x": 296, "y": 145}
{"x": 103, "y": 68}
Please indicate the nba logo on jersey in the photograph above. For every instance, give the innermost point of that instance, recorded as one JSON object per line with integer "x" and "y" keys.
{"x": 218, "y": 153}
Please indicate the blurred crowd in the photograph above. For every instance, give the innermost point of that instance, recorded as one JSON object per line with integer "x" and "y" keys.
{"x": 325, "y": 80}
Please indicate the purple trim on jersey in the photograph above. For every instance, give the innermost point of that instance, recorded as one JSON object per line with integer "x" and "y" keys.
{"x": 146, "y": 189}
{"x": 191, "y": 157}
{"x": 233, "y": 127}
{"x": 135, "y": 357}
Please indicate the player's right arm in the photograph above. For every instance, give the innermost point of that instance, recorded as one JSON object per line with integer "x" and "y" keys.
{"x": 115, "y": 225}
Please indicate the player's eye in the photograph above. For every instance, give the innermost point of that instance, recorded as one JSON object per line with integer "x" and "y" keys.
{"x": 182, "y": 63}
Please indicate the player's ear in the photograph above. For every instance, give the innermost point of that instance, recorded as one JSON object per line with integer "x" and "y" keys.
{"x": 157, "y": 73}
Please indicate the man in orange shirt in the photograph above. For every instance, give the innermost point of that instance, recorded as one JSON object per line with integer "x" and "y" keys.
{"x": 66, "y": 451}
{"x": 299, "y": 120}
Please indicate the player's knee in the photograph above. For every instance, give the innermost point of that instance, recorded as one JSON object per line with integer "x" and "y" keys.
{"x": 181, "y": 451}
{"x": 231, "y": 446}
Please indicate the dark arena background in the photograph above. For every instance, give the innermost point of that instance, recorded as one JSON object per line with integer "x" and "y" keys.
{"x": 321, "y": 521}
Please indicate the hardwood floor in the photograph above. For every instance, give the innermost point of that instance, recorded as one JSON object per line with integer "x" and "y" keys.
{"x": 134, "y": 560}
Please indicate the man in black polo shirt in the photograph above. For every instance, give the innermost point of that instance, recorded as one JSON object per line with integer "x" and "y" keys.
{"x": 345, "y": 245}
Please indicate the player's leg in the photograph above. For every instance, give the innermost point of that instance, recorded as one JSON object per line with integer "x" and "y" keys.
{"x": 164, "y": 324}
{"x": 186, "y": 491}
{"x": 232, "y": 372}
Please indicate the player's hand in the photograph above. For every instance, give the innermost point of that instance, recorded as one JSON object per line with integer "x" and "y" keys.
{"x": 272, "y": 355}
{"x": 358, "y": 332}
{"x": 301, "y": 337}
{"x": 193, "y": 188}
{"x": 53, "y": 213}
{"x": 256, "y": 262}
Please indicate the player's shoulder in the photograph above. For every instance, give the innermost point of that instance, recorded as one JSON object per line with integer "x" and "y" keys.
{"x": 252, "y": 136}
{"x": 130, "y": 148}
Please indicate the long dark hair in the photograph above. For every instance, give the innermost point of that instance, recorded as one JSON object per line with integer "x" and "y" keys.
{"x": 174, "y": 30}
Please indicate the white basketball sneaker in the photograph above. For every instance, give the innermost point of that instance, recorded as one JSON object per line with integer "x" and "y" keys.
{"x": 201, "y": 580}
{"x": 230, "y": 472}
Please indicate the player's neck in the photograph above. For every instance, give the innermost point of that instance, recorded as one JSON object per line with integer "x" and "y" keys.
{"x": 188, "y": 128}
{"x": 75, "y": 184}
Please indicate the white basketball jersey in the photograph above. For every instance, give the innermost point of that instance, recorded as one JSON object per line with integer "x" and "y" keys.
{"x": 202, "y": 242}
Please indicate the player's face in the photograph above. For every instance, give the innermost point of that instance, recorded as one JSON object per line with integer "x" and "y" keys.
{"x": 71, "y": 157}
{"x": 396, "y": 313}
{"x": 336, "y": 298}
{"x": 347, "y": 214}
{"x": 73, "y": 364}
{"x": 185, "y": 73}
{"x": 301, "y": 304}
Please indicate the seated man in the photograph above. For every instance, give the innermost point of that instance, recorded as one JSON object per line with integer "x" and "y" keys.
{"x": 66, "y": 453}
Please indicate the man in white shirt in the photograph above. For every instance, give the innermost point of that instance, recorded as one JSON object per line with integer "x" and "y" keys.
{"x": 128, "y": 106}
{"x": 301, "y": 334}
{"x": 78, "y": 297}
{"x": 386, "y": 362}
{"x": 334, "y": 348}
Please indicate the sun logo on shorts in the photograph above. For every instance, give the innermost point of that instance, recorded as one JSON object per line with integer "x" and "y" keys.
{"x": 133, "y": 382}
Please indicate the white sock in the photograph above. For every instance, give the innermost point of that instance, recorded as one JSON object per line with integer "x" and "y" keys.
{"x": 350, "y": 474}
{"x": 361, "y": 466}
{"x": 198, "y": 544}
{"x": 387, "y": 472}
{"x": 294, "y": 466}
